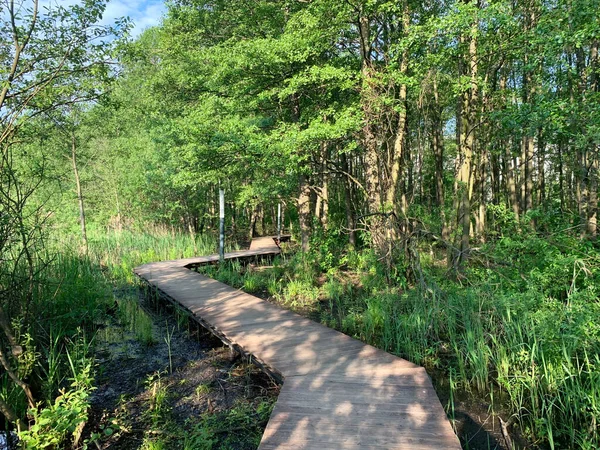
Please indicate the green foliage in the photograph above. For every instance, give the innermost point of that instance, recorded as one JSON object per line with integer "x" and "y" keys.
{"x": 157, "y": 409}
{"x": 80, "y": 292}
{"x": 328, "y": 247}
{"x": 121, "y": 251}
{"x": 252, "y": 283}
{"x": 258, "y": 98}
{"x": 62, "y": 420}
{"x": 521, "y": 333}
{"x": 245, "y": 416}
{"x": 70, "y": 299}
{"x": 200, "y": 437}
{"x": 299, "y": 293}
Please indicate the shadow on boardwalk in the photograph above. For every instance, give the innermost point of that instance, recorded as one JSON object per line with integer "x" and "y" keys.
{"x": 337, "y": 393}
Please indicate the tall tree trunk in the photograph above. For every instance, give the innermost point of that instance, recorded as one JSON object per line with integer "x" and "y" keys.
{"x": 528, "y": 182}
{"x": 322, "y": 194}
{"x": 511, "y": 170}
{"x": 254, "y": 216}
{"x": 318, "y": 204}
{"x": 261, "y": 215}
{"x": 372, "y": 163}
{"x": 348, "y": 200}
{"x": 541, "y": 163}
{"x": 481, "y": 188}
{"x": 79, "y": 192}
{"x": 325, "y": 197}
{"x": 304, "y": 212}
{"x": 451, "y": 254}
{"x": 561, "y": 175}
{"x": 581, "y": 191}
{"x": 592, "y": 218}
{"x": 466, "y": 149}
{"x": 495, "y": 174}
{"x": 437, "y": 144}
{"x": 399, "y": 149}
{"x": 583, "y": 200}
{"x": 529, "y": 90}
{"x": 526, "y": 162}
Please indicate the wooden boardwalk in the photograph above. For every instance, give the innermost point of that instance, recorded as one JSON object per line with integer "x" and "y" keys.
{"x": 338, "y": 393}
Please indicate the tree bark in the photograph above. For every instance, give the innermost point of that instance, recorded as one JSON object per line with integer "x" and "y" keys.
{"x": 592, "y": 217}
{"x": 304, "y": 212}
{"x": 561, "y": 175}
{"x": 399, "y": 149}
{"x": 437, "y": 144}
{"x": 529, "y": 90}
{"x": 481, "y": 188}
{"x": 325, "y": 200}
{"x": 541, "y": 163}
{"x": 253, "y": 216}
{"x": 511, "y": 169}
{"x": 349, "y": 201}
{"x": 368, "y": 92}
{"x": 466, "y": 149}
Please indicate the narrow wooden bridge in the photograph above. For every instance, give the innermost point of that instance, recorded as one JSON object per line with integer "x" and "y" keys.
{"x": 338, "y": 393}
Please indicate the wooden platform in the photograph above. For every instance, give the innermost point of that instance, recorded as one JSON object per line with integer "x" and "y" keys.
{"x": 338, "y": 393}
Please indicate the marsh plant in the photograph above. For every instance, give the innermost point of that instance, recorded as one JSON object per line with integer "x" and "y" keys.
{"x": 521, "y": 335}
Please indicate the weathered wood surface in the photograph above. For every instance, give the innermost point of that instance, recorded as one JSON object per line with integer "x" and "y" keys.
{"x": 338, "y": 393}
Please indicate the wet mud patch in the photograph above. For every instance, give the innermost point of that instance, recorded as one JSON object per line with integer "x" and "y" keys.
{"x": 163, "y": 382}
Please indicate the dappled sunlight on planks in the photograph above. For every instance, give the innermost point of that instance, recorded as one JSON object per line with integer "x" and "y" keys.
{"x": 338, "y": 392}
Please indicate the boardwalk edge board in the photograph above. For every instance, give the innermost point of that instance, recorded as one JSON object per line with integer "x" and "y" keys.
{"x": 270, "y": 371}
{"x": 337, "y": 391}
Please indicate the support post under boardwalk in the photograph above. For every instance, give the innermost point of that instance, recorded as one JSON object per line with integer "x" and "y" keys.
{"x": 221, "y": 225}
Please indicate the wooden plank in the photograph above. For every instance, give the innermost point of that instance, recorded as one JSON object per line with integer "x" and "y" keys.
{"x": 338, "y": 392}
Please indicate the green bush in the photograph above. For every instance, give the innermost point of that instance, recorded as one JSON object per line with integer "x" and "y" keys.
{"x": 62, "y": 421}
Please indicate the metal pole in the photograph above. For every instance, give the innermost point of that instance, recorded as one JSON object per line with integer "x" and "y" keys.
{"x": 279, "y": 223}
{"x": 221, "y": 224}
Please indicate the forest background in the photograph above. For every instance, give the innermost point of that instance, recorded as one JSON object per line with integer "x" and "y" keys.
{"x": 436, "y": 161}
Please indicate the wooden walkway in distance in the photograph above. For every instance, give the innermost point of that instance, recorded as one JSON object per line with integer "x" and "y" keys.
{"x": 338, "y": 393}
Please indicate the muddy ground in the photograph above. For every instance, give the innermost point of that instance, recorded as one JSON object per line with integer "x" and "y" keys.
{"x": 184, "y": 389}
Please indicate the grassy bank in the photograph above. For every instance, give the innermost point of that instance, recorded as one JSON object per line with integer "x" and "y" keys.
{"x": 74, "y": 296}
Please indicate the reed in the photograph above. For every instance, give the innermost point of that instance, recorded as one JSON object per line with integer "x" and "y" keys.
{"x": 530, "y": 349}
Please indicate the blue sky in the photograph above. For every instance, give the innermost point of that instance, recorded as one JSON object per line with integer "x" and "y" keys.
{"x": 143, "y": 13}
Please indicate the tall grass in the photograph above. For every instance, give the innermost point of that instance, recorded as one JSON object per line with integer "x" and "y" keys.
{"x": 551, "y": 381}
{"x": 73, "y": 293}
{"x": 525, "y": 335}
{"x": 69, "y": 300}
{"x": 120, "y": 252}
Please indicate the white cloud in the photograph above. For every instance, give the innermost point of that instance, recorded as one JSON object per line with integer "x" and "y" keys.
{"x": 143, "y": 13}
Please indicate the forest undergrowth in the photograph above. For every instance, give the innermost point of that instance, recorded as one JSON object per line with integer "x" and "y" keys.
{"x": 92, "y": 339}
{"x": 514, "y": 335}
{"x": 451, "y": 149}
